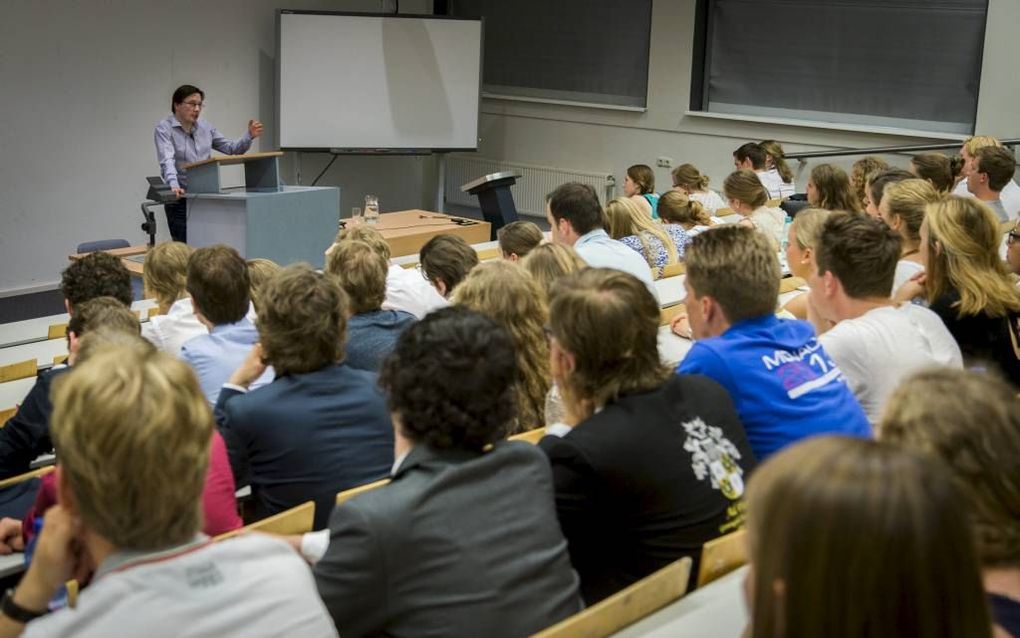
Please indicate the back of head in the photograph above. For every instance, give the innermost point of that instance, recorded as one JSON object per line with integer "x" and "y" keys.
{"x": 622, "y": 214}
{"x": 97, "y": 274}
{"x": 367, "y": 234}
{"x": 689, "y": 177}
{"x": 971, "y": 422}
{"x": 259, "y": 272}
{"x": 751, "y": 151}
{"x": 998, "y": 163}
{"x": 165, "y": 275}
{"x": 737, "y": 267}
{"x": 936, "y": 168}
{"x": 361, "y": 272}
{"x": 807, "y": 226}
{"x": 860, "y": 252}
{"x": 907, "y": 200}
{"x": 578, "y": 204}
{"x": 609, "y": 322}
{"x": 519, "y": 238}
{"x": 677, "y": 208}
{"x": 104, "y": 337}
{"x": 972, "y": 144}
{"x": 103, "y": 312}
{"x": 877, "y": 182}
{"x": 447, "y": 258}
{"x": 818, "y": 573}
{"x": 450, "y": 380}
{"x": 834, "y": 191}
{"x": 862, "y": 170}
{"x": 132, "y": 429}
{"x": 745, "y": 186}
{"x": 642, "y": 175}
{"x": 218, "y": 284}
{"x": 549, "y": 262}
{"x": 303, "y": 321}
{"x": 774, "y": 151}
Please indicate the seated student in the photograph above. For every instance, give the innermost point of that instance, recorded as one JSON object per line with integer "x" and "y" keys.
{"x": 860, "y": 173}
{"x": 130, "y": 508}
{"x": 676, "y": 209}
{"x": 517, "y": 239}
{"x": 776, "y": 167}
{"x": 970, "y": 422}
{"x": 576, "y": 219}
{"x": 507, "y": 294}
{"x": 218, "y": 284}
{"x": 874, "y": 341}
{"x": 165, "y": 278}
{"x": 639, "y": 186}
{"x": 655, "y": 463}
{"x": 462, "y": 541}
{"x": 371, "y": 331}
{"x": 445, "y": 261}
{"x": 991, "y": 170}
{"x": 752, "y": 157}
{"x": 937, "y": 169}
{"x": 321, "y": 426}
{"x": 829, "y": 188}
{"x": 782, "y": 381}
{"x": 1010, "y": 194}
{"x": 259, "y": 272}
{"x": 629, "y": 224}
{"x": 968, "y": 286}
{"x": 748, "y": 198}
{"x": 843, "y": 531}
{"x": 876, "y": 185}
{"x": 549, "y": 262}
{"x": 689, "y": 180}
{"x": 902, "y": 209}
{"x": 1013, "y": 249}
{"x": 406, "y": 289}
{"x": 801, "y": 244}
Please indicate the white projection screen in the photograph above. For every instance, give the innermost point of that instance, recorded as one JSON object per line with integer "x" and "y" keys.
{"x": 363, "y": 83}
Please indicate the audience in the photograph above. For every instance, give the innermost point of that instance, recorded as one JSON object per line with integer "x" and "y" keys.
{"x": 97, "y": 274}
{"x": 678, "y": 209}
{"x": 517, "y": 239}
{"x": 861, "y": 173}
{"x": 1010, "y": 195}
{"x": 218, "y": 284}
{"x": 507, "y": 294}
{"x": 940, "y": 171}
{"x": 801, "y": 244}
{"x": 968, "y": 286}
{"x": 752, "y": 157}
{"x": 655, "y": 463}
{"x": 639, "y": 186}
{"x": 971, "y": 423}
{"x": 991, "y": 170}
{"x": 629, "y": 224}
{"x": 875, "y": 342}
{"x": 689, "y": 180}
{"x": 259, "y": 272}
{"x": 1013, "y": 249}
{"x": 165, "y": 279}
{"x": 902, "y": 209}
{"x": 748, "y": 198}
{"x": 877, "y": 183}
{"x": 445, "y": 261}
{"x": 549, "y": 262}
{"x": 778, "y": 171}
{"x": 781, "y": 379}
{"x": 371, "y": 331}
{"x": 462, "y": 541}
{"x": 321, "y": 426}
{"x": 829, "y": 188}
{"x": 853, "y": 538}
{"x": 576, "y": 219}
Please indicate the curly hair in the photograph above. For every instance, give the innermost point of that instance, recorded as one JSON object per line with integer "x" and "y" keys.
{"x": 861, "y": 170}
{"x": 451, "y": 380}
{"x": 361, "y": 272}
{"x": 96, "y": 275}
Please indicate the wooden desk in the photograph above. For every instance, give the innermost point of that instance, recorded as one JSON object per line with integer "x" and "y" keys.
{"x": 407, "y": 231}
{"x": 134, "y": 267}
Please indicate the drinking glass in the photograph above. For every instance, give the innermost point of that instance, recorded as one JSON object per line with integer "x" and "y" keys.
{"x": 371, "y": 209}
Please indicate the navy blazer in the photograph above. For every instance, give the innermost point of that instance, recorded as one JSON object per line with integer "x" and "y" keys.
{"x": 306, "y": 437}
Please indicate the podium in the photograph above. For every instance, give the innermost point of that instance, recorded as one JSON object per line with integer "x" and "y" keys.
{"x": 263, "y": 218}
{"x": 494, "y": 198}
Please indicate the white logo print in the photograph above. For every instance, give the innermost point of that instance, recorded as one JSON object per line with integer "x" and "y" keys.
{"x": 714, "y": 456}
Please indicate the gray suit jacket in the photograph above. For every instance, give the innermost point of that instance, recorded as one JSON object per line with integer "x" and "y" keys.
{"x": 459, "y": 544}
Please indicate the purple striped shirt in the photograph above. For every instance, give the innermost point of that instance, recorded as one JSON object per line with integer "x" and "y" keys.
{"x": 174, "y": 147}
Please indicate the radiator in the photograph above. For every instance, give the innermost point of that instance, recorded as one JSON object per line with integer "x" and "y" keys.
{"x": 529, "y": 192}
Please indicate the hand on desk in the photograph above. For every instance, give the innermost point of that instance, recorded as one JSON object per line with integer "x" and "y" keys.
{"x": 59, "y": 557}
{"x": 681, "y": 326}
{"x": 11, "y": 539}
{"x": 254, "y": 128}
{"x": 178, "y": 191}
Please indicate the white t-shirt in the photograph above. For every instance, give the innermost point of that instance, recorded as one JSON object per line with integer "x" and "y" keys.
{"x": 905, "y": 269}
{"x": 773, "y": 181}
{"x": 710, "y": 200}
{"x": 251, "y": 585}
{"x": 878, "y": 349}
{"x": 407, "y": 290}
{"x": 772, "y": 222}
{"x": 169, "y": 332}
{"x": 1010, "y": 196}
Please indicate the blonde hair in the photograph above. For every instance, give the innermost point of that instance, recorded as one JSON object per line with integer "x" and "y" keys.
{"x": 367, "y": 234}
{"x": 260, "y": 270}
{"x": 808, "y": 509}
{"x": 774, "y": 150}
{"x": 361, "y": 272}
{"x": 745, "y": 186}
{"x": 861, "y": 172}
{"x": 972, "y": 144}
{"x": 676, "y": 207}
{"x": 549, "y": 262}
{"x": 165, "y": 276}
{"x": 907, "y": 200}
{"x": 132, "y": 430}
{"x": 807, "y": 227}
{"x": 506, "y": 293}
{"x": 625, "y": 218}
{"x": 689, "y": 177}
{"x": 963, "y": 255}
{"x": 971, "y": 422}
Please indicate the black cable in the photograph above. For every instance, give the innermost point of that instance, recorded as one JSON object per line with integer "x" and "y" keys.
{"x": 316, "y": 180}
{"x": 396, "y": 7}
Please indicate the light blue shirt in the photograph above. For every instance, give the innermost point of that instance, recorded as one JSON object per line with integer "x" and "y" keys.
{"x": 216, "y": 355}
{"x": 599, "y": 250}
{"x": 174, "y": 147}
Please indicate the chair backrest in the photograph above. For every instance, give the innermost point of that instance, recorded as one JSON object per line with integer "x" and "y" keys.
{"x": 347, "y": 495}
{"x": 722, "y": 555}
{"x": 531, "y": 436}
{"x": 672, "y": 270}
{"x": 627, "y": 606}
{"x": 14, "y": 480}
{"x": 102, "y": 244}
{"x": 57, "y": 331}
{"x": 666, "y": 314}
{"x": 1007, "y": 225}
{"x": 487, "y": 254}
{"x": 789, "y": 284}
{"x": 296, "y": 520}
{"x": 5, "y": 415}
{"x": 21, "y": 370}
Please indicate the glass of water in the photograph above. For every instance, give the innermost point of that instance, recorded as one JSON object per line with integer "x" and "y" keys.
{"x": 356, "y": 217}
{"x": 371, "y": 209}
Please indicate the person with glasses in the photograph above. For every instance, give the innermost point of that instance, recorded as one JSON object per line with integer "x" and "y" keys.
{"x": 181, "y": 139}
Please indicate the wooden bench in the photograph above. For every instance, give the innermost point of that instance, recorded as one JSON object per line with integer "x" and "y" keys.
{"x": 722, "y": 555}
{"x": 296, "y": 520}
{"x": 347, "y": 495}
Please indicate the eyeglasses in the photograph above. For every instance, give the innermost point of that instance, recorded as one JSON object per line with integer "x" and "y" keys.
{"x": 1012, "y": 237}
{"x": 194, "y": 105}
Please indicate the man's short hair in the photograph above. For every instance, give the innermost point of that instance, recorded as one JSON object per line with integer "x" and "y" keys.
{"x": 103, "y": 312}
{"x": 303, "y": 320}
{"x": 579, "y": 205}
{"x": 737, "y": 267}
{"x": 861, "y": 252}
{"x": 97, "y": 274}
{"x": 182, "y": 93}
{"x": 451, "y": 378}
{"x": 998, "y": 163}
{"x": 367, "y": 234}
{"x": 519, "y": 238}
{"x": 448, "y": 258}
{"x": 361, "y": 272}
{"x": 754, "y": 152}
{"x": 218, "y": 283}
{"x": 166, "y": 271}
{"x": 132, "y": 429}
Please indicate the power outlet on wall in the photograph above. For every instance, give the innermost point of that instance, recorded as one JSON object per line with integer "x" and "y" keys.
{"x": 664, "y": 162}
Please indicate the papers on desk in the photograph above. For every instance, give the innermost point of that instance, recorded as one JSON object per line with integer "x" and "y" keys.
{"x": 672, "y": 349}
{"x": 12, "y": 564}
